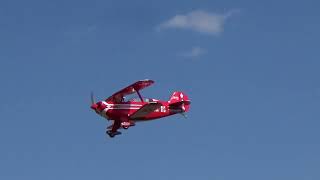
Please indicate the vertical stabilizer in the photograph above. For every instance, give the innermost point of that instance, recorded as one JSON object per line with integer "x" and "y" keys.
{"x": 179, "y": 102}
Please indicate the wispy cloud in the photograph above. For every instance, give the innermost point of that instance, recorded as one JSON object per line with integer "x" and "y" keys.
{"x": 199, "y": 21}
{"x": 194, "y": 52}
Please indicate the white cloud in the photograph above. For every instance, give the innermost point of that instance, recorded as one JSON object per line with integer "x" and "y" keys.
{"x": 194, "y": 52}
{"x": 199, "y": 21}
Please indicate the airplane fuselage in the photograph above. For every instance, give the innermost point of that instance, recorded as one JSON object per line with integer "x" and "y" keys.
{"x": 111, "y": 111}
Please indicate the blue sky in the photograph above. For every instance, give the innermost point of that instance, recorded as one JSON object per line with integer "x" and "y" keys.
{"x": 250, "y": 68}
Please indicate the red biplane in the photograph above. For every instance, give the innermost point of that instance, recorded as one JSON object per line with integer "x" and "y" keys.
{"x": 126, "y": 113}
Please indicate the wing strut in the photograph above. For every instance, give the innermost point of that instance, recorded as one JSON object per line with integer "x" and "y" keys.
{"x": 139, "y": 95}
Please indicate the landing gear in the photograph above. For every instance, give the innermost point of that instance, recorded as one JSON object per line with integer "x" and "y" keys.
{"x": 112, "y": 134}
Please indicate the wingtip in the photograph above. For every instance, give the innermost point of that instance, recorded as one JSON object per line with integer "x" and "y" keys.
{"x": 147, "y": 80}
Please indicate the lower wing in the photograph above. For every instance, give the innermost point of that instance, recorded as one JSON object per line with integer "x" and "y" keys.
{"x": 145, "y": 110}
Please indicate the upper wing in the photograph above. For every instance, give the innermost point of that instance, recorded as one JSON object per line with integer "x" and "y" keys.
{"x": 145, "y": 110}
{"x": 137, "y": 86}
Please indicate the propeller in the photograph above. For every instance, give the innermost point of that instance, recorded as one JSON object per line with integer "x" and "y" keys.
{"x": 94, "y": 106}
{"x": 92, "y": 98}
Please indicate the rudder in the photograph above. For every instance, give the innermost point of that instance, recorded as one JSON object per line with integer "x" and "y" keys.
{"x": 179, "y": 100}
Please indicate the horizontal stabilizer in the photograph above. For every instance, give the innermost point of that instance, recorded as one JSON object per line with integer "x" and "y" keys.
{"x": 179, "y": 104}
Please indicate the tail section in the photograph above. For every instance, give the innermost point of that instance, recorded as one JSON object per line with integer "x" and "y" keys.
{"x": 179, "y": 102}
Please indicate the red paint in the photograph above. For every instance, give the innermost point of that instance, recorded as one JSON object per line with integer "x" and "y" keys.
{"x": 126, "y": 113}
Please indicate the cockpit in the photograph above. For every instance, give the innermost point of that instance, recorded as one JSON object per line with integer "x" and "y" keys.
{"x": 136, "y": 99}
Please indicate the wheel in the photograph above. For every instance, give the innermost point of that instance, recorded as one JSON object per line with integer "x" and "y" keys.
{"x": 110, "y": 134}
